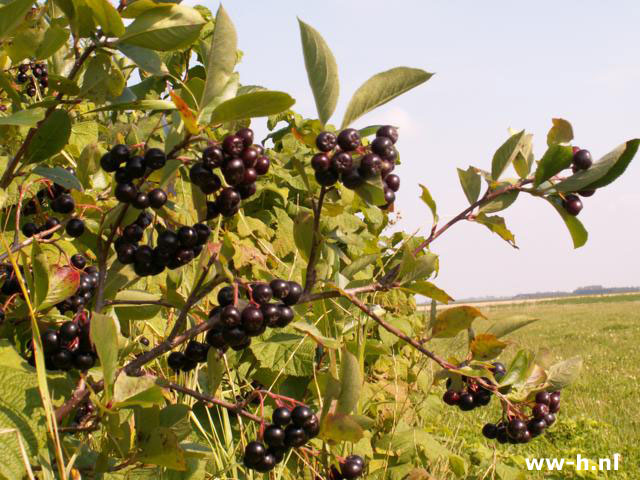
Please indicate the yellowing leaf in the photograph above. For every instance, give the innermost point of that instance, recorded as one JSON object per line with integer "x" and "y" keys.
{"x": 454, "y": 320}
{"x": 188, "y": 116}
{"x": 486, "y": 346}
{"x": 341, "y": 428}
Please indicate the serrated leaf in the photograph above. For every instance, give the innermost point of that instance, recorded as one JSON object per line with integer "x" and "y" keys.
{"x": 428, "y": 200}
{"x": 505, "y": 154}
{"x": 604, "y": 171}
{"x": 554, "y": 160}
{"x": 428, "y": 289}
{"x": 579, "y": 234}
{"x": 107, "y": 17}
{"x": 51, "y": 137}
{"x": 165, "y": 28}
{"x": 519, "y": 368}
{"x": 322, "y": 71}
{"x": 350, "y": 383}
{"x": 454, "y": 320}
{"x": 486, "y": 346}
{"x": 563, "y": 373}
{"x": 383, "y": 88}
{"x": 497, "y": 225}
{"x": 560, "y": 132}
{"x": 146, "y": 59}
{"x": 23, "y": 118}
{"x": 142, "y": 391}
{"x": 250, "y": 105}
{"x": 471, "y": 182}
{"x": 60, "y": 176}
{"x": 510, "y": 324}
{"x": 63, "y": 282}
{"x": 221, "y": 60}
{"x": 104, "y": 333}
{"x": 12, "y": 15}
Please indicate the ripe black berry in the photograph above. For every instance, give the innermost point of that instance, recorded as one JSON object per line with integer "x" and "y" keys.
{"x": 549, "y": 419}
{"x": 466, "y": 402}
{"x": 168, "y": 241}
{"x": 351, "y": 469}
{"x": 144, "y": 254}
{"x": 543, "y": 397}
{"x": 281, "y": 416}
{"x": 202, "y": 232}
{"x": 252, "y": 321}
{"x": 554, "y": 404}
{"x": 212, "y": 157}
{"x": 388, "y": 131}
{"x": 188, "y": 236}
{"x": 572, "y": 204}
{"x": 228, "y": 199}
{"x": 141, "y": 201}
{"x": 262, "y": 165}
{"x": 246, "y": 190}
{"x": 120, "y": 153}
{"x": 490, "y": 431}
{"x": 326, "y": 141}
{"x": 295, "y": 292}
{"x": 274, "y": 436}
{"x": 31, "y": 91}
{"x": 233, "y": 171}
{"x": 211, "y": 184}
{"x": 498, "y": 370}
{"x": 79, "y": 261}
{"x": 582, "y": 160}
{"x": 83, "y": 361}
{"x": 516, "y": 427}
{"x": 196, "y": 351}
{"x": 75, "y": 227}
{"x": 68, "y": 331}
{"x": 215, "y": 336}
{"x": 370, "y": 165}
{"x": 280, "y": 288}
{"x": 233, "y": 145}
{"x": 386, "y": 168}
{"x": 285, "y": 316}
{"x": 231, "y": 316}
{"x": 29, "y": 229}
{"x": 62, "y": 360}
{"x": 212, "y": 210}
{"x": 250, "y": 157}
{"x": 246, "y": 135}
{"x": 135, "y": 167}
{"x": 586, "y": 193}
{"x": 267, "y": 463}
{"x": 525, "y": 437}
{"x": 381, "y": 145}
{"x": 176, "y": 360}
{"x": 300, "y": 415}
{"x": 451, "y": 397}
{"x": 126, "y": 192}
{"x": 389, "y": 196}
{"x": 320, "y": 162}
{"x": 225, "y": 296}
{"x": 341, "y": 163}
{"x": 157, "y": 197}
{"x": 312, "y": 426}
{"x": 262, "y": 293}
{"x": 326, "y": 178}
{"x": 536, "y": 426}
{"x": 254, "y": 453}
{"x": 122, "y": 176}
{"x": 349, "y": 139}
{"x": 270, "y": 314}
{"x": 109, "y": 163}
{"x": 482, "y": 398}
{"x": 235, "y": 336}
{"x": 133, "y": 233}
{"x": 294, "y": 436}
{"x": 63, "y": 204}
{"x": 155, "y": 159}
{"x": 50, "y": 341}
{"x": 250, "y": 176}
{"x": 393, "y": 182}
{"x": 184, "y": 255}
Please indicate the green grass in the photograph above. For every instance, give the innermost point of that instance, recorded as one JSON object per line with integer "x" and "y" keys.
{"x": 600, "y": 414}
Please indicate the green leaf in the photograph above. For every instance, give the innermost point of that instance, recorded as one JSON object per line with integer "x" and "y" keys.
{"x": 256, "y": 104}
{"x": 428, "y": 199}
{"x": 579, "y": 234}
{"x": 560, "y": 132}
{"x": 7, "y": 86}
{"x": 51, "y": 137}
{"x": 54, "y": 39}
{"x": 137, "y": 312}
{"x": 316, "y": 334}
{"x": 501, "y": 202}
{"x": 12, "y": 15}
{"x": 146, "y": 59}
{"x": 107, "y": 17}
{"x": 471, "y": 182}
{"x": 519, "y": 368}
{"x": 104, "y": 335}
{"x": 40, "y": 268}
{"x": 215, "y": 371}
{"x": 338, "y": 427}
{"x": 161, "y": 447}
{"x": 497, "y": 225}
{"x": 505, "y": 154}
{"x": 486, "y": 346}
{"x": 454, "y": 320}
{"x": 372, "y": 191}
{"x": 303, "y": 232}
{"x": 292, "y": 354}
{"x": 60, "y": 176}
{"x": 221, "y": 59}
{"x": 141, "y": 391}
{"x": 358, "y": 264}
{"x": 604, "y": 171}
{"x": 428, "y": 289}
{"x": 23, "y": 118}
{"x": 510, "y": 324}
{"x": 63, "y": 282}
{"x": 350, "y": 383}
{"x": 562, "y": 374}
{"x": 170, "y": 27}
{"x": 322, "y": 71}
{"x": 416, "y": 268}
{"x": 383, "y": 88}
{"x": 554, "y": 160}
{"x": 160, "y": 105}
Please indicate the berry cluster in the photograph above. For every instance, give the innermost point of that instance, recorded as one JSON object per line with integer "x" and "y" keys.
{"x": 235, "y": 326}
{"x": 68, "y": 347}
{"x": 88, "y": 283}
{"x": 343, "y": 158}
{"x": 519, "y": 430}
{"x": 38, "y": 72}
{"x": 173, "y": 249}
{"x": 82, "y": 413}
{"x": 59, "y": 200}
{"x": 581, "y": 161}
{"x": 128, "y": 168}
{"x": 290, "y": 429}
{"x": 350, "y": 467}
{"x": 240, "y": 163}
{"x": 474, "y": 395}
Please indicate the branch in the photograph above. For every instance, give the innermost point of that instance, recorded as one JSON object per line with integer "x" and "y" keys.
{"x": 139, "y": 302}
{"x": 373, "y": 287}
{"x": 30, "y": 240}
{"x": 315, "y": 243}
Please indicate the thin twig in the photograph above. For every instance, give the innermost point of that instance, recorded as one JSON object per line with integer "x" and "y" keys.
{"x": 310, "y": 278}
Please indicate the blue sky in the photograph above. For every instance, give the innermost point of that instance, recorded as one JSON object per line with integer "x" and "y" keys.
{"x": 498, "y": 65}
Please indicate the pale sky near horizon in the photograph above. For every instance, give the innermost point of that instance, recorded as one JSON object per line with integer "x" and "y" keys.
{"x": 498, "y": 65}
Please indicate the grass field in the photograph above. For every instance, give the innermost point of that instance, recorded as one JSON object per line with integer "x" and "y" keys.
{"x": 600, "y": 414}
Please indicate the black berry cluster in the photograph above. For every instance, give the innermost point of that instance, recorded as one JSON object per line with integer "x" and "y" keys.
{"x": 240, "y": 163}
{"x": 522, "y": 430}
{"x": 290, "y": 429}
{"x": 68, "y": 347}
{"x": 350, "y": 467}
{"x": 236, "y": 325}
{"x": 173, "y": 249}
{"x": 582, "y": 160}
{"x": 343, "y": 158}
{"x": 38, "y": 73}
{"x": 88, "y": 284}
{"x": 473, "y": 395}
{"x": 59, "y": 200}
{"x": 82, "y": 413}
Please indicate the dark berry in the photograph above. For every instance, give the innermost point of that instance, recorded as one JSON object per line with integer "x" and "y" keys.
{"x": 572, "y": 204}
{"x": 50, "y": 341}
{"x": 349, "y": 139}
{"x": 281, "y": 416}
{"x": 490, "y": 431}
{"x": 294, "y": 436}
{"x": 254, "y": 452}
{"x": 155, "y": 159}
{"x": 176, "y": 360}
{"x": 549, "y": 419}
{"x": 352, "y": 179}
{"x": 22, "y": 78}
{"x": 390, "y": 155}
{"x": 68, "y": 331}
{"x": 482, "y": 398}
{"x": 212, "y": 157}
{"x": 262, "y": 293}
{"x": 120, "y": 153}
{"x": 543, "y": 397}
{"x": 466, "y": 402}
{"x": 144, "y": 254}
{"x": 540, "y": 410}
{"x": 320, "y": 162}
{"x": 280, "y": 288}
{"x": 516, "y": 427}
{"x": 498, "y": 370}
{"x": 62, "y": 360}
{"x": 582, "y": 160}
{"x": 79, "y": 261}
{"x": 231, "y": 316}
{"x": 246, "y": 135}
{"x": 144, "y": 219}
{"x": 126, "y": 192}
{"x": 189, "y": 365}
{"x": 270, "y": 314}
{"x": 144, "y": 341}
{"x": 380, "y": 145}
{"x": 225, "y": 296}
{"x": 312, "y": 426}
{"x": 389, "y": 132}
{"x": 295, "y": 292}
{"x": 141, "y": 201}
{"x": 168, "y": 241}
{"x": 157, "y": 197}
{"x": 63, "y": 204}
{"x": 525, "y": 437}
{"x": 370, "y": 165}
{"x": 326, "y": 141}
{"x": 235, "y": 336}
{"x": 203, "y": 232}
{"x": 554, "y": 402}
{"x": 23, "y": 68}
{"x": 133, "y": 233}
{"x": 586, "y": 193}
{"x": 300, "y": 414}
{"x": 184, "y": 255}
{"x": 233, "y": 171}
{"x": 250, "y": 176}
{"x": 135, "y": 167}
{"x": 250, "y": 157}
{"x": 536, "y": 426}
{"x": 31, "y": 91}
{"x": 29, "y": 229}
{"x": 232, "y": 145}
{"x": 83, "y": 361}
{"x": 267, "y": 463}
{"x": 386, "y": 168}
{"x": 122, "y": 176}
{"x": 75, "y": 227}
{"x": 49, "y": 224}
{"x": 196, "y": 351}
{"x": 393, "y": 182}
{"x": 198, "y": 174}
{"x": 451, "y": 397}
{"x": 350, "y": 470}
{"x": 188, "y": 236}
{"x": 252, "y": 321}
{"x": 247, "y": 190}
{"x": 44, "y": 82}
{"x": 285, "y": 317}
{"x": 228, "y": 198}
{"x": 212, "y": 210}
{"x": 274, "y": 436}
{"x": 262, "y": 165}
{"x": 215, "y": 336}
{"x": 109, "y": 163}
{"x": 341, "y": 163}
{"x": 211, "y": 185}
